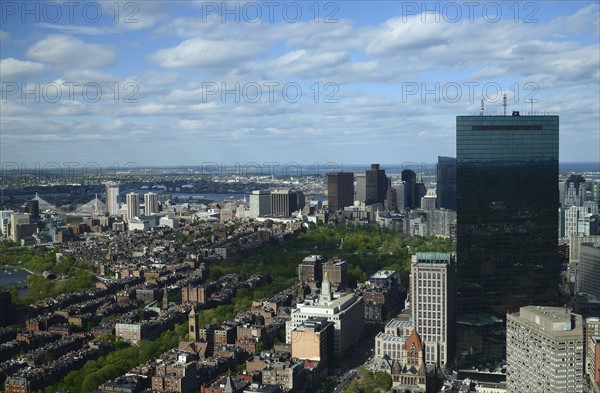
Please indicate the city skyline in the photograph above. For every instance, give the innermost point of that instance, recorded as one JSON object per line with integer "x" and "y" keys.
{"x": 370, "y": 65}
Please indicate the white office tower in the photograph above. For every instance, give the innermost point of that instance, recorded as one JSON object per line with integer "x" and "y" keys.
{"x": 150, "y": 203}
{"x": 133, "y": 205}
{"x": 432, "y": 288}
{"x": 112, "y": 198}
{"x": 544, "y": 351}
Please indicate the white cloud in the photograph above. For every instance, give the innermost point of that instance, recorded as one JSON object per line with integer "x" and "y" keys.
{"x": 200, "y": 53}
{"x": 67, "y": 51}
{"x": 13, "y": 70}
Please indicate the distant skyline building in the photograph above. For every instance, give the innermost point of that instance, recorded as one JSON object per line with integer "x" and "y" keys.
{"x": 507, "y": 225}
{"x": 112, "y": 198}
{"x": 286, "y": 202}
{"x": 133, "y": 205}
{"x": 340, "y": 190}
{"x": 428, "y": 201}
{"x": 150, "y": 203}
{"x": 409, "y": 177}
{"x": 433, "y": 296}
{"x": 574, "y": 191}
{"x": 376, "y": 185}
{"x": 361, "y": 187}
{"x": 581, "y": 220}
{"x": 446, "y": 183}
{"x": 260, "y": 203}
{"x": 544, "y": 351}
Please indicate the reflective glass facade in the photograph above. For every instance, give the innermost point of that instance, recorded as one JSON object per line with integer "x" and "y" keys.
{"x": 507, "y": 197}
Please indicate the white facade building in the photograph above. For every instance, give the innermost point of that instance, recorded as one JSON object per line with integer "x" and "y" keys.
{"x": 346, "y": 311}
{"x": 432, "y": 296}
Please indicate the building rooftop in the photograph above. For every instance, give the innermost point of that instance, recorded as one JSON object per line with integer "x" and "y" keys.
{"x": 433, "y": 257}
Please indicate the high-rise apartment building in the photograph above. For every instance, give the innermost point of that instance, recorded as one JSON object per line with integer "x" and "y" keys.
{"x": 507, "y": 225}
{"x": 150, "y": 203}
{"x": 544, "y": 351}
{"x": 112, "y": 198}
{"x": 446, "y": 183}
{"x": 432, "y": 303}
{"x": 376, "y": 185}
{"x": 133, "y": 205}
{"x": 340, "y": 190}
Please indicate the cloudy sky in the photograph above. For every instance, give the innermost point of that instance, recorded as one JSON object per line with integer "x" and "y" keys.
{"x": 351, "y": 82}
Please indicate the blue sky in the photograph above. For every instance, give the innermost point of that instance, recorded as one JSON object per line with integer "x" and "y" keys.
{"x": 182, "y": 83}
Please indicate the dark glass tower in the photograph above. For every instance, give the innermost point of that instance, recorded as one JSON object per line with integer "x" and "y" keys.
{"x": 409, "y": 178}
{"x": 340, "y": 190}
{"x": 446, "y": 182}
{"x": 507, "y": 199}
{"x": 376, "y": 185}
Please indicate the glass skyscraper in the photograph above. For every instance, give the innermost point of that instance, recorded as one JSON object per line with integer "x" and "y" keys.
{"x": 507, "y": 199}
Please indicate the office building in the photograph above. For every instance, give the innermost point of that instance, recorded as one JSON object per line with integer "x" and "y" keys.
{"x": 361, "y": 187}
{"x": 286, "y": 202}
{"x": 544, "y": 351}
{"x": 409, "y": 178}
{"x": 314, "y": 340}
{"x": 33, "y": 208}
{"x": 150, "y": 203}
{"x": 340, "y": 190}
{"x": 133, "y": 205}
{"x": 428, "y": 201}
{"x": 507, "y": 254}
{"x": 574, "y": 191}
{"x": 575, "y": 243}
{"x": 446, "y": 183}
{"x": 337, "y": 272}
{"x": 260, "y": 204}
{"x": 310, "y": 270}
{"x": 375, "y": 185}
{"x": 112, "y": 198}
{"x": 432, "y": 303}
{"x": 346, "y": 311}
{"x": 588, "y": 269}
{"x": 18, "y": 220}
{"x": 581, "y": 220}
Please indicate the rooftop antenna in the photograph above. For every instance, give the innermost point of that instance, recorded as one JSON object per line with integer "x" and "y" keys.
{"x": 504, "y": 103}
{"x": 531, "y": 102}
{"x": 481, "y": 110}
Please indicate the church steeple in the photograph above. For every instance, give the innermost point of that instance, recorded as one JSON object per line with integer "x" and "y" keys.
{"x": 165, "y": 299}
{"x": 193, "y": 322}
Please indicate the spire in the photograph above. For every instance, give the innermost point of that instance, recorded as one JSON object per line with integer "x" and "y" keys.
{"x": 165, "y": 300}
{"x": 325, "y": 289}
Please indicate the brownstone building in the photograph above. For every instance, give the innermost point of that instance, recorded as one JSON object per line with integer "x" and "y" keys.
{"x": 177, "y": 377}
